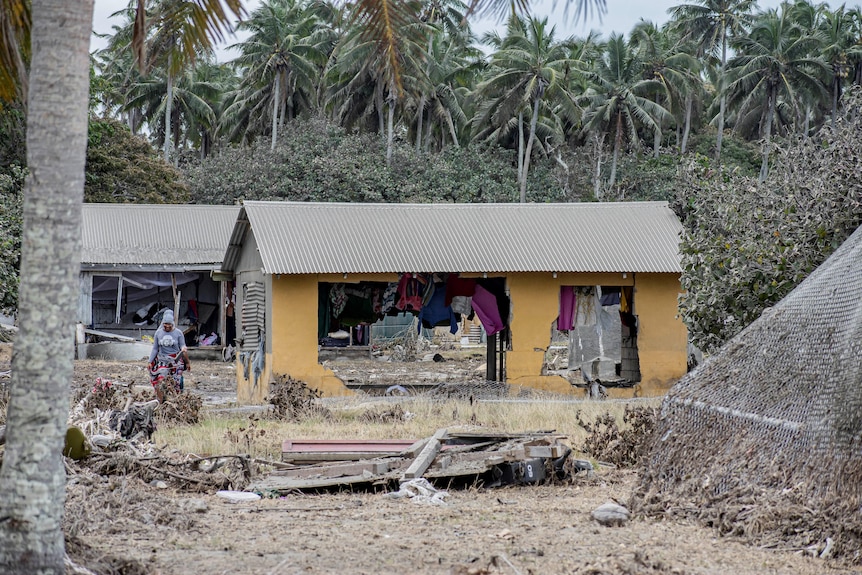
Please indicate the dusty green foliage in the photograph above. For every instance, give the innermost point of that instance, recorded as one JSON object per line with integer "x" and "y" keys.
{"x": 622, "y": 445}
{"x": 124, "y": 168}
{"x": 318, "y": 161}
{"x": 293, "y": 400}
{"x": 11, "y": 197}
{"x": 746, "y": 245}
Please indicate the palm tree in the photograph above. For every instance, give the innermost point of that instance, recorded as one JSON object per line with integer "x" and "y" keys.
{"x": 530, "y": 69}
{"x": 116, "y": 67}
{"x": 451, "y": 70}
{"x": 176, "y": 38}
{"x": 712, "y": 23}
{"x": 665, "y": 60}
{"x": 370, "y": 79}
{"x": 284, "y": 55}
{"x": 192, "y": 96}
{"x": 446, "y": 23}
{"x": 841, "y": 50}
{"x": 32, "y": 477}
{"x": 617, "y": 102}
{"x": 776, "y": 60}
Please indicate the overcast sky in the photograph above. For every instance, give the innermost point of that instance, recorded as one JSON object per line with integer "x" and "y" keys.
{"x": 621, "y": 17}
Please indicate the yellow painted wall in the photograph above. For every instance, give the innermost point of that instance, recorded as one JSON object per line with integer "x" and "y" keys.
{"x": 292, "y": 342}
{"x": 294, "y": 334}
{"x": 249, "y": 391}
{"x": 662, "y": 337}
{"x": 535, "y": 301}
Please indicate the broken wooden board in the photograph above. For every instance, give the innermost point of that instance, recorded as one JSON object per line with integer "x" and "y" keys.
{"x": 376, "y": 467}
{"x": 426, "y": 456}
{"x": 305, "y": 450}
{"x": 108, "y": 335}
{"x": 329, "y": 464}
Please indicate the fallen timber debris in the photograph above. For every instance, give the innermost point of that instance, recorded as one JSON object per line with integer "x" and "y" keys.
{"x": 489, "y": 459}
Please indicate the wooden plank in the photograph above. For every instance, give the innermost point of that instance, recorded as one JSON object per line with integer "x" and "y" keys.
{"x": 415, "y": 448}
{"x": 321, "y": 456}
{"x": 546, "y": 451}
{"x": 499, "y": 455}
{"x": 338, "y": 470}
{"x": 109, "y": 335}
{"x": 330, "y": 445}
{"x": 276, "y": 483}
{"x": 426, "y": 456}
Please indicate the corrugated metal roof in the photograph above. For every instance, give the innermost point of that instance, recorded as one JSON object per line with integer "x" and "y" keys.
{"x": 301, "y": 237}
{"x": 156, "y": 234}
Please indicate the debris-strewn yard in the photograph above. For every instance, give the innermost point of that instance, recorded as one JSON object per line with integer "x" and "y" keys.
{"x": 137, "y": 506}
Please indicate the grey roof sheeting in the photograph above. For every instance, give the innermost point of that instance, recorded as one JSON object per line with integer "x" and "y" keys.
{"x": 166, "y": 235}
{"x": 302, "y": 237}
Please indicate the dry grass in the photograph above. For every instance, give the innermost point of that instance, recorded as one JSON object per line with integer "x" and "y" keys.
{"x": 261, "y": 436}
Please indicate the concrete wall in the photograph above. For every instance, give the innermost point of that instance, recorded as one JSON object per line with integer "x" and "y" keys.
{"x": 535, "y": 305}
{"x": 662, "y": 337}
{"x": 292, "y": 348}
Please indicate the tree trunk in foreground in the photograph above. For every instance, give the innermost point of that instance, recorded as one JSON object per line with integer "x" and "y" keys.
{"x": 32, "y": 478}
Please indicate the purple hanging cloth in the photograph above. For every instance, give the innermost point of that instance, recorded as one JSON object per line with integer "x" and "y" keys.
{"x": 566, "y": 319}
{"x": 485, "y": 306}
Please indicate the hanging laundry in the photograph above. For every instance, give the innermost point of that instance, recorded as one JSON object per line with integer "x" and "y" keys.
{"x": 626, "y": 299}
{"x": 485, "y": 306}
{"x": 462, "y": 304}
{"x": 389, "y": 297}
{"x": 588, "y": 306}
{"x": 410, "y": 292}
{"x": 437, "y": 312}
{"x": 457, "y": 286}
{"x": 610, "y": 296}
{"x": 338, "y": 297}
{"x": 568, "y": 301}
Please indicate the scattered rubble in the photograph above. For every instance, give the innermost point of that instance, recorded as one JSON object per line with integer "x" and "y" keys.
{"x": 448, "y": 456}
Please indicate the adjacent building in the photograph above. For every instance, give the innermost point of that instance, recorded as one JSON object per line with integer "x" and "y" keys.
{"x": 307, "y": 274}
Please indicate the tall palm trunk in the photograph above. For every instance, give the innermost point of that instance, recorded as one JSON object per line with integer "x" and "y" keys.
{"x": 722, "y": 103}
{"x": 390, "y": 125}
{"x": 618, "y": 140}
{"x": 452, "y": 131}
{"x": 688, "y": 105}
{"x": 597, "y": 183}
{"x": 528, "y": 152}
{"x": 421, "y": 111}
{"x": 169, "y": 102}
{"x": 420, "y": 115}
{"x": 32, "y": 477}
{"x": 836, "y": 95}
{"x": 520, "y": 147}
{"x": 767, "y": 132}
{"x": 276, "y": 98}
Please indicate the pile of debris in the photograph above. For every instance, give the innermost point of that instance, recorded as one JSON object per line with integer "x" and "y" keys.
{"x": 486, "y": 459}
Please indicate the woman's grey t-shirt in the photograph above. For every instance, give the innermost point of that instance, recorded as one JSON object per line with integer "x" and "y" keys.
{"x": 167, "y": 343}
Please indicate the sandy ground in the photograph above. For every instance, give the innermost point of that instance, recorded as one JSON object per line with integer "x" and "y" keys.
{"x": 123, "y": 524}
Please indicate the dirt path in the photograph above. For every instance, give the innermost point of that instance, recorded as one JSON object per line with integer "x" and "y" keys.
{"x": 527, "y": 529}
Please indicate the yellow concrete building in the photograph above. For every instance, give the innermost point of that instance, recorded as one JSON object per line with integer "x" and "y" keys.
{"x": 293, "y": 263}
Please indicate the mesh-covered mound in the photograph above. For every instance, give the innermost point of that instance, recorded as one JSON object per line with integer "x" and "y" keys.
{"x": 764, "y": 439}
